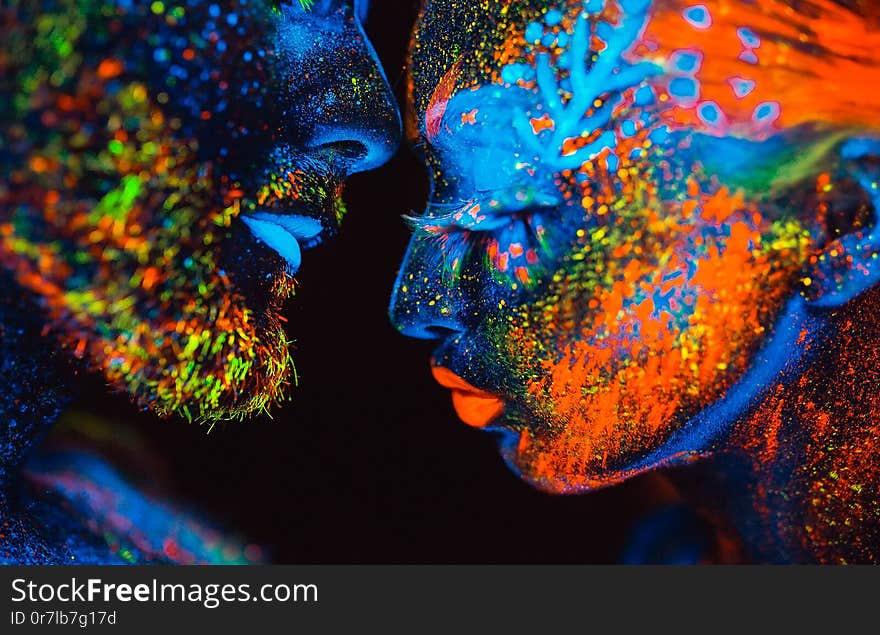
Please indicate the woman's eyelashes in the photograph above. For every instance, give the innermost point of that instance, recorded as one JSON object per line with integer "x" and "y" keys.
{"x": 505, "y": 229}
{"x": 509, "y": 243}
{"x": 488, "y": 210}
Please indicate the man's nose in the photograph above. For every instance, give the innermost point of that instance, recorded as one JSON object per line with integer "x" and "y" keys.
{"x": 425, "y": 303}
{"x": 338, "y": 97}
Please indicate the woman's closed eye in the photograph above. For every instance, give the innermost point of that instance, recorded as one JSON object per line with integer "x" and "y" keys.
{"x": 486, "y": 211}
{"x": 504, "y": 228}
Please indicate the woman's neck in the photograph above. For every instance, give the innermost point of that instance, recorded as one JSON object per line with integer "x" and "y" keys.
{"x": 800, "y": 474}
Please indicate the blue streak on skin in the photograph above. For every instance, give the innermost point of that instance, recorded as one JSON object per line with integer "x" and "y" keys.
{"x": 92, "y": 488}
{"x": 860, "y": 147}
{"x": 780, "y": 360}
{"x": 362, "y": 10}
{"x": 732, "y": 159}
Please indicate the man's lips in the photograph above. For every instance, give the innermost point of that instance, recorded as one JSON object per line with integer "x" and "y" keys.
{"x": 287, "y": 234}
{"x": 475, "y": 407}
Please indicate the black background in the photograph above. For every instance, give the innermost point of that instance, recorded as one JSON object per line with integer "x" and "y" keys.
{"x": 368, "y": 463}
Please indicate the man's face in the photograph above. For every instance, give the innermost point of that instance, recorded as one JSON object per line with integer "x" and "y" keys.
{"x": 165, "y": 163}
{"x": 625, "y": 194}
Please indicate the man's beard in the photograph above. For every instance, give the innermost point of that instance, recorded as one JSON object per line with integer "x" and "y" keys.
{"x": 135, "y": 281}
{"x": 189, "y": 344}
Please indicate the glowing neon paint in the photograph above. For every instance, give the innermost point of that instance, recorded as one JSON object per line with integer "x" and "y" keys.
{"x": 629, "y": 227}
{"x": 158, "y": 127}
{"x": 162, "y": 168}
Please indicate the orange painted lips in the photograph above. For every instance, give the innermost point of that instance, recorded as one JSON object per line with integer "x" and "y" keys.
{"x": 475, "y": 407}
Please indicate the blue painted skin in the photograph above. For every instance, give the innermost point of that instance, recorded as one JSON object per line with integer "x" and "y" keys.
{"x": 517, "y": 173}
{"x": 142, "y": 527}
{"x": 503, "y": 107}
{"x": 503, "y": 178}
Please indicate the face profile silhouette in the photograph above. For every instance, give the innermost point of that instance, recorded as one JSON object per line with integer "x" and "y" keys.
{"x": 651, "y": 242}
{"x": 163, "y": 167}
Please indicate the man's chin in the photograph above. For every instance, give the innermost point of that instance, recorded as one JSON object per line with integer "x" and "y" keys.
{"x": 237, "y": 368}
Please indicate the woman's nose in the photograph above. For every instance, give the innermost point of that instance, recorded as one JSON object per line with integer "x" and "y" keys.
{"x": 337, "y": 95}
{"x": 424, "y": 304}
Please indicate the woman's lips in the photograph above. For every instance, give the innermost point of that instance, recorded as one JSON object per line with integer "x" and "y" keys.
{"x": 475, "y": 407}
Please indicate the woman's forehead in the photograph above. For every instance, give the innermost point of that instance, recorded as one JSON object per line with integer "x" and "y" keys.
{"x": 812, "y": 60}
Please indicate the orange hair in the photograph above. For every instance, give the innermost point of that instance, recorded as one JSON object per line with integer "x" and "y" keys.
{"x": 818, "y": 62}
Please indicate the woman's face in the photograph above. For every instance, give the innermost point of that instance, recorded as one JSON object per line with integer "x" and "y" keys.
{"x": 164, "y": 165}
{"x": 625, "y": 193}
